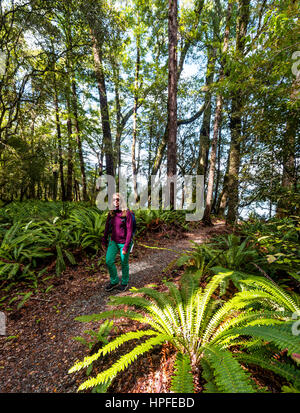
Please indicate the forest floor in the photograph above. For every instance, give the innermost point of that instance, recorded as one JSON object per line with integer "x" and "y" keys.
{"x": 39, "y": 349}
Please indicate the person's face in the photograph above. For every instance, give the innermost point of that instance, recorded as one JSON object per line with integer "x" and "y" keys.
{"x": 116, "y": 201}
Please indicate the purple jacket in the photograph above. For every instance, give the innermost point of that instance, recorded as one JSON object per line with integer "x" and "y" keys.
{"x": 121, "y": 229}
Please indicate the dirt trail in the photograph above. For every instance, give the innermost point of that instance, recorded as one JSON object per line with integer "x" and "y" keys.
{"x": 39, "y": 358}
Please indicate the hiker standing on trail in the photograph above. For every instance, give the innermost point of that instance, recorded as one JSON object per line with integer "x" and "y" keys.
{"x": 118, "y": 238}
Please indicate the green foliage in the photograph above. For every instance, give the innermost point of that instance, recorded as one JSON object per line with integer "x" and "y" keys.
{"x": 196, "y": 260}
{"x": 224, "y": 253}
{"x": 189, "y": 319}
{"x": 232, "y": 252}
{"x": 283, "y": 369}
{"x": 278, "y": 241}
{"x": 159, "y": 220}
{"x": 96, "y": 336}
{"x": 182, "y": 379}
{"x": 35, "y": 231}
{"x": 229, "y": 375}
{"x": 89, "y": 224}
{"x": 100, "y": 336}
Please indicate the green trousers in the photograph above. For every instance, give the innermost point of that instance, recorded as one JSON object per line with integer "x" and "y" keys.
{"x": 112, "y": 250}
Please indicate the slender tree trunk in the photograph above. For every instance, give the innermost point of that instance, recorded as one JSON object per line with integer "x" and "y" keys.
{"x": 107, "y": 138}
{"x": 134, "y": 136}
{"x": 217, "y": 126}
{"x": 236, "y": 118}
{"x": 218, "y": 174}
{"x": 172, "y": 98}
{"x": 78, "y": 140}
{"x": 69, "y": 189}
{"x": 54, "y": 173}
{"x": 119, "y": 127}
{"x": 164, "y": 141}
{"x": 59, "y": 141}
{"x": 205, "y": 127}
{"x": 55, "y": 182}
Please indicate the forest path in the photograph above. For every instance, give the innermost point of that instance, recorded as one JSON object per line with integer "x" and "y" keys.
{"x": 39, "y": 358}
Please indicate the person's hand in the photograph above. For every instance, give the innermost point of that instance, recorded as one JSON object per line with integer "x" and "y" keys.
{"x": 124, "y": 252}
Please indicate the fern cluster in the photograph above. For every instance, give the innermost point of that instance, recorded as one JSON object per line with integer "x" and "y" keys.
{"x": 33, "y": 231}
{"x": 202, "y": 330}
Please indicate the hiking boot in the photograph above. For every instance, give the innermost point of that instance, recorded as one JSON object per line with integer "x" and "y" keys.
{"x": 123, "y": 287}
{"x": 110, "y": 286}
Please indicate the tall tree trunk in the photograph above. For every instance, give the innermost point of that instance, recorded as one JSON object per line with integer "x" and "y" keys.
{"x": 135, "y": 108}
{"x": 222, "y": 201}
{"x": 163, "y": 144}
{"x": 217, "y": 125}
{"x": 55, "y": 183}
{"x": 107, "y": 138}
{"x": 70, "y": 166}
{"x": 59, "y": 141}
{"x": 78, "y": 140}
{"x": 218, "y": 174}
{"x": 172, "y": 98}
{"x": 236, "y": 118}
{"x": 205, "y": 127}
{"x": 119, "y": 127}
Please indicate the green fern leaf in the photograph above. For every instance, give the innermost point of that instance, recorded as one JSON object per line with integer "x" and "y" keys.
{"x": 281, "y": 335}
{"x": 182, "y": 380}
{"x": 123, "y": 362}
{"x": 285, "y": 370}
{"x": 113, "y": 345}
{"x": 229, "y": 375}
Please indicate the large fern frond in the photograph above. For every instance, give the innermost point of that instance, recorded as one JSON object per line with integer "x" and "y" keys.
{"x": 208, "y": 375}
{"x": 288, "y": 371}
{"x": 278, "y": 294}
{"x": 279, "y": 334}
{"x": 182, "y": 379}
{"x": 113, "y": 345}
{"x": 202, "y": 304}
{"x": 229, "y": 375}
{"x": 249, "y": 318}
{"x": 123, "y": 362}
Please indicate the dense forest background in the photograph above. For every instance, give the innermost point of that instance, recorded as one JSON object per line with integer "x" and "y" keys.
{"x": 90, "y": 87}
